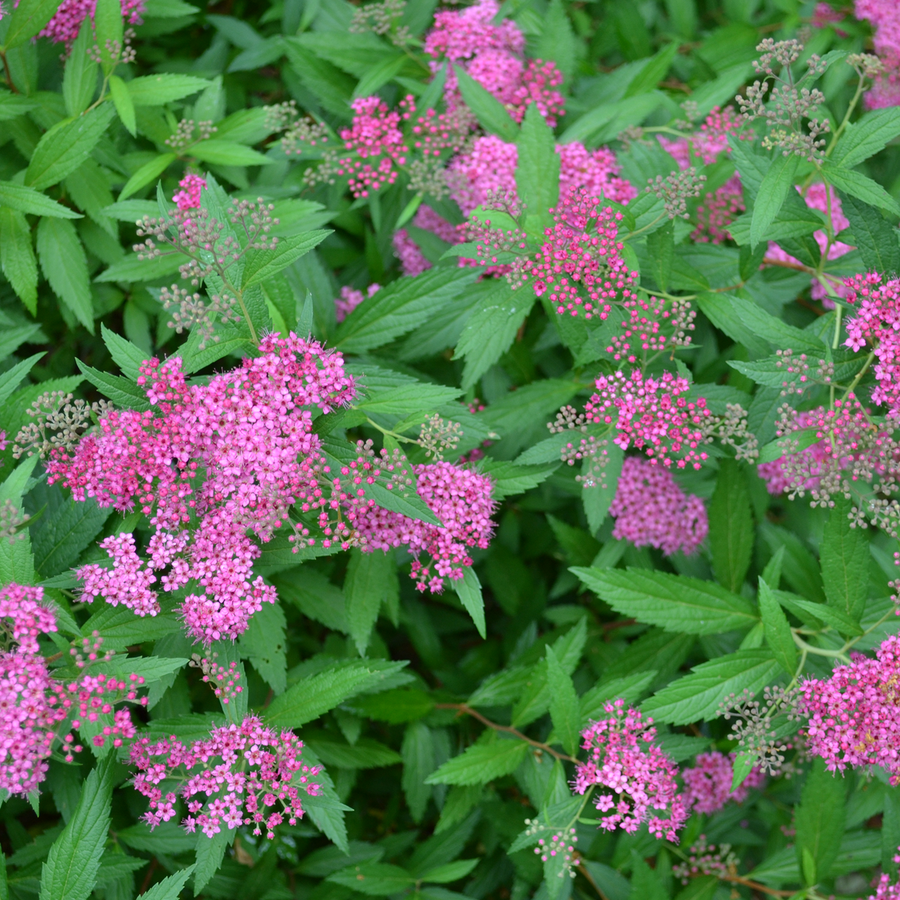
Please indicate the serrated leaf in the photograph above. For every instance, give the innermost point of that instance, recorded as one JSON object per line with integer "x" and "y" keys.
{"x": 169, "y": 888}
{"x": 74, "y": 860}
{"x": 26, "y": 19}
{"x": 860, "y": 186}
{"x": 874, "y": 238}
{"x": 64, "y": 264}
{"x": 210, "y": 853}
{"x": 451, "y": 871}
{"x": 66, "y": 146}
{"x": 127, "y": 356}
{"x": 80, "y": 75}
{"x": 13, "y": 376}
{"x": 468, "y": 589}
{"x": 369, "y": 578}
{"x": 17, "y": 257}
{"x": 696, "y": 697}
{"x": 490, "y": 112}
{"x": 865, "y": 137}
{"x": 537, "y": 171}
{"x": 565, "y": 711}
{"x": 28, "y": 200}
{"x": 819, "y": 819}
{"x": 263, "y": 264}
{"x": 481, "y": 763}
{"x": 58, "y": 538}
{"x": 155, "y": 90}
{"x": 674, "y": 602}
{"x": 313, "y": 696}
{"x": 844, "y": 561}
{"x": 777, "y": 630}
{"x": 778, "y": 180}
{"x": 121, "y": 391}
{"x": 731, "y": 526}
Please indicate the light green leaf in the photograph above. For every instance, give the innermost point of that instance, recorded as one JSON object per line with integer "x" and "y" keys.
{"x": 565, "y": 709}
{"x": 490, "y": 112}
{"x": 12, "y": 377}
{"x": 860, "y": 186}
{"x": 696, "y": 697}
{"x": 147, "y": 173}
{"x": 481, "y": 763}
{"x": 26, "y": 19}
{"x": 17, "y": 257}
{"x": 777, "y": 629}
{"x": 819, "y": 819}
{"x": 227, "y": 153}
{"x": 64, "y": 264}
{"x": 127, "y": 356}
{"x": 80, "y": 75}
{"x": 875, "y": 239}
{"x": 118, "y": 90}
{"x": 374, "y": 879}
{"x": 537, "y": 172}
{"x": 778, "y": 180}
{"x": 169, "y": 888}
{"x": 866, "y": 137}
{"x": 155, "y": 90}
{"x": 28, "y": 200}
{"x": 370, "y": 576}
{"x": 110, "y": 30}
{"x": 71, "y": 868}
{"x": 468, "y": 589}
{"x": 66, "y": 146}
{"x": 674, "y": 602}
{"x": 210, "y": 853}
{"x": 263, "y": 264}
{"x": 313, "y": 696}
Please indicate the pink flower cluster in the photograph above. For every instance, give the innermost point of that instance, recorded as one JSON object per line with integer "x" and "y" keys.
{"x": 884, "y": 890}
{"x": 188, "y": 197}
{"x": 460, "y": 498}
{"x": 236, "y": 452}
{"x": 635, "y": 776}
{"x": 34, "y": 706}
{"x": 412, "y": 261}
{"x": 580, "y": 264}
{"x": 885, "y": 18}
{"x": 244, "y": 774}
{"x": 708, "y": 783}
{"x": 63, "y": 28}
{"x": 817, "y": 198}
{"x": 492, "y": 55}
{"x": 877, "y": 323}
{"x": 654, "y": 415}
{"x": 350, "y": 298}
{"x": 852, "y": 715}
{"x": 651, "y": 510}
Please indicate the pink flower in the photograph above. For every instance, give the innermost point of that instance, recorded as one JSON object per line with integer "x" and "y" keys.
{"x": 25, "y": 616}
{"x": 636, "y": 778}
{"x": 188, "y": 197}
{"x": 242, "y": 774}
{"x": 885, "y": 18}
{"x": 651, "y": 510}
{"x": 708, "y": 783}
{"x": 351, "y": 298}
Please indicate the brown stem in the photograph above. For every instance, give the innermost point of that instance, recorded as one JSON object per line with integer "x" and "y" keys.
{"x": 467, "y": 710}
{"x": 9, "y": 79}
{"x": 756, "y": 886}
{"x": 583, "y": 870}
{"x": 784, "y": 264}
{"x": 145, "y": 886}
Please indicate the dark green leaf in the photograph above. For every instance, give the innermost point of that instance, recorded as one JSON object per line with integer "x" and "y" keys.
{"x": 565, "y": 709}
{"x": 819, "y": 819}
{"x": 777, "y": 629}
{"x": 730, "y": 526}
{"x": 866, "y": 137}
{"x": 64, "y": 264}
{"x": 481, "y": 763}
{"x": 860, "y": 186}
{"x": 778, "y": 180}
{"x": 845, "y": 561}
{"x": 875, "y": 239}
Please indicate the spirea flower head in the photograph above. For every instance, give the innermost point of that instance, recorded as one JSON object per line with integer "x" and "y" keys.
{"x": 244, "y": 774}
{"x": 854, "y": 715}
{"x": 654, "y": 415}
{"x": 24, "y": 616}
{"x": 580, "y": 266}
{"x": 636, "y": 779}
{"x": 235, "y": 454}
{"x": 63, "y": 28}
{"x": 885, "y": 18}
{"x": 708, "y": 782}
{"x": 651, "y": 510}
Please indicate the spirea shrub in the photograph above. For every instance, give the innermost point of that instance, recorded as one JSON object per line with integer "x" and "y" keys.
{"x": 450, "y": 451}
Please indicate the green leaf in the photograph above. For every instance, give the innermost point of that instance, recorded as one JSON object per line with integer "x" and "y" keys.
{"x": 777, "y": 630}
{"x": 481, "y": 763}
{"x": 374, "y": 879}
{"x": 60, "y": 536}
{"x": 66, "y": 146}
{"x": 364, "y": 754}
{"x": 127, "y": 356}
{"x": 27, "y": 19}
{"x": 169, "y": 888}
{"x": 210, "y": 853}
{"x": 110, "y": 30}
{"x": 860, "y": 186}
{"x": 605, "y": 121}
{"x": 537, "y": 171}
{"x": 845, "y": 561}
{"x": 121, "y": 391}
{"x": 264, "y": 644}
{"x": 674, "y": 602}
{"x": 80, "y": 75}
{"x": 155, "y": 90}
{"x": 261, "y": 265}
{"x": 565, "y": 708}
{"x": 661, "y": 246}
{"x": 71, "y": 868}
{"x": 490, "y": 331}
{"x": 490, "y": 112}
{"x": 653, "y": 71}
{"x": 778, "y": 180}
{"x": 64, "y": 264}
{"x": 418, "y": 753}
{"x": 819, "y": 819}
{"x": 830, "y": 615}
{"x": 400, "y": 307}
{"x": 148, "y": 172}
{"x": 696, "y": 697}
{"x": 866, "y": 137}
{"x": 313, "y": 696}
{"x": 370, "y": 577}
{"x": 468, "y": 589}
{"x": 394, "y": 706}
{"x": 121, "y": 99}
{"x": 875, "y": 239}
{"x": 17, "y": 257}
{"x": 28, "y": 200}
{"x": 11, "y": 378}
{"x": 730, "y": 526}
{"x": 227, "y": 153}
{"x": 451, "y": 871}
